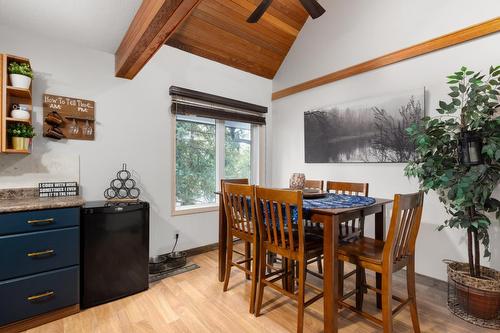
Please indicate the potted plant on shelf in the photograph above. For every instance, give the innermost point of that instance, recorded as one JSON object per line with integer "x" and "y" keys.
{"x": 20, "y": 74}
{"x": 20, "y": 135}
{"x": 458, "y": 156}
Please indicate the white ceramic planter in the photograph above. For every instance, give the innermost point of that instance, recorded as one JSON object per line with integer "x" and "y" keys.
{"x": 20, "y": 81}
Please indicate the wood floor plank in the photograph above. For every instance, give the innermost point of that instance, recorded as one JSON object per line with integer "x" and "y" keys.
{"x": 193, "y": 302}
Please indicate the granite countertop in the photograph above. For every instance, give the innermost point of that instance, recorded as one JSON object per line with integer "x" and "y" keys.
{"x": 25, "y": 199}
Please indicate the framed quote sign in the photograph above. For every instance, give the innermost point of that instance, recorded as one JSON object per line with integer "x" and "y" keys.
{"x": 68, "y": 118}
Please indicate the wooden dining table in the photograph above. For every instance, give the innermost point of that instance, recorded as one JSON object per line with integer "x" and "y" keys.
{"x": 330, "y": 218}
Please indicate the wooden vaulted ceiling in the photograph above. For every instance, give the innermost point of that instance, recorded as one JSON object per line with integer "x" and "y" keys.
{"x": 213, "y": 29}
{"x": 217, "y": 30}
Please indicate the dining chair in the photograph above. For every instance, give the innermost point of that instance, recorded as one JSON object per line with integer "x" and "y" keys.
{"x": 243, "y": 181}
{"x": 240, "y": 213}
{"x": 316, "y": 184}
{"x": 281, "y": 230}
{"x": 386, "y": 258}
{"x": 311, "y": 226}
{"x": 348, "y": 230}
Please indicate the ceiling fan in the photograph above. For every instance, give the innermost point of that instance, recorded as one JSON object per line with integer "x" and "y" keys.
{"x": 311, "y": 6}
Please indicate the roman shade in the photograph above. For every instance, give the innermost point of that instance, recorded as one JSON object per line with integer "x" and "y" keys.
{"x": 196, "y": 103}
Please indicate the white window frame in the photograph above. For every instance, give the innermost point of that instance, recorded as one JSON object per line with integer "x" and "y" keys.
{"x": 256, "y": 157}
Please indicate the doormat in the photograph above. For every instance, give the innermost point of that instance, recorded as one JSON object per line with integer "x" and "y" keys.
{"x": 172, "y": 272}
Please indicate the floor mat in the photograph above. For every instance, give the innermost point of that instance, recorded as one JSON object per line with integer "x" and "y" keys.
{"x": 172, "y": 272}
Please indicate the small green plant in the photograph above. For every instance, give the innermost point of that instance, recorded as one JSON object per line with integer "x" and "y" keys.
{"x": 20, "y": 68}
{"x": 464, "y": 190}
{"x": 21, "y": 130}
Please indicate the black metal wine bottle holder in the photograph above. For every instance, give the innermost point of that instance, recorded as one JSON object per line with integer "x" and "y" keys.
{"x": 123, "y": 187}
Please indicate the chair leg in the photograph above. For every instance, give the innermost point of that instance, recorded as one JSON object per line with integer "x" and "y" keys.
{"x": 340, "y": 277}
{"x": 255, "y": 273}
{"x": 387, "y": 303}
{"x": 412, "y": 294}
{"x": 360, "y": 287}
{"x": 262, "y": 276}
{"x": 301, "y": 296}
{"x": 248, "y": 250}
{"x": 270, "y": 261}
{"x": 320, "y": 265}
{"x": 229, "y": 261}
{"x": 286, "y": 268}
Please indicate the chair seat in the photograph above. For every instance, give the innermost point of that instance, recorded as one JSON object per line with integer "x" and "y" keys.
{"x": 313, "y": 244}
{"x": 364, "y": 249}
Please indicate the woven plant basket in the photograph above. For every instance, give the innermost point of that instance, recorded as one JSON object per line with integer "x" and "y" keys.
{"x": 476, "y": 300}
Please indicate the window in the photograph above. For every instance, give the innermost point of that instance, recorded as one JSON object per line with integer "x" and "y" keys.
{"x": 237, "y": 150}
{"x": 195, "y": 161}
{"x": 207, "y": 150}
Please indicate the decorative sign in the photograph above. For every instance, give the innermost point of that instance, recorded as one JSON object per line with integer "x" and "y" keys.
{"x": 68, "y": 118}
{"x": 58, "y": 189}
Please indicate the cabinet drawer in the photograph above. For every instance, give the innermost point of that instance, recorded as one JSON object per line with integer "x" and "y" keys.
{"x": 30, "y": 296}
{"x": 39, "y": 220}
{"x": 36, "y": 252}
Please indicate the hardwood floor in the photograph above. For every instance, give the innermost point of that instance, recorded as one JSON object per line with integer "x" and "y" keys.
{"x": 194, "y": 302}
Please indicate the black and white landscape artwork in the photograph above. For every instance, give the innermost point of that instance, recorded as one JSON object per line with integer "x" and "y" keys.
{"x": 372, "y": 130}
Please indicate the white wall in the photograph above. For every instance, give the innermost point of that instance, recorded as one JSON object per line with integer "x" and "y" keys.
{"x": 133, "y": 121}
{"x": 354, "y": 31}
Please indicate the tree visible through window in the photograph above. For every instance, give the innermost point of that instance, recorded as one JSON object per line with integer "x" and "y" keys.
{"x": 237, "y": 150}
{"x": 195, "y": 169}
{"x": 199, "y": 162}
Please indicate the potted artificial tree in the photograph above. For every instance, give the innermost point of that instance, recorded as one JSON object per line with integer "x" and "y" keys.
{"x": 20, "y": 134}
{"x": 20, "y": 74}
{"x": 458, "y": 156}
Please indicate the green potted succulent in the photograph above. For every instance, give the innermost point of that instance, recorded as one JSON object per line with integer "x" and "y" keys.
{"x": 20, "y": 134}
{"x": 458, "y": 157}
{"x": 20, "y": 74}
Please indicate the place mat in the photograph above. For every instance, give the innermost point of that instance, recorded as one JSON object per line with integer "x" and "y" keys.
{"x": 333, "y": 201}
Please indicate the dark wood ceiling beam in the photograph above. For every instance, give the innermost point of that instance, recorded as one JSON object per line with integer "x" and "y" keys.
{"x": 154, "y": 23}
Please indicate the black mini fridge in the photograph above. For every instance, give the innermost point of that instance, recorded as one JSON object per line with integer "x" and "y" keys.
{"x": 114, "y": 251}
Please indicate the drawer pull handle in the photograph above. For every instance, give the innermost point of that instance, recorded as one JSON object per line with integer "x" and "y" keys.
{"x": 44, "y": 221}
{"x": 41, "y": 253}
{"x": 40, "y": 296}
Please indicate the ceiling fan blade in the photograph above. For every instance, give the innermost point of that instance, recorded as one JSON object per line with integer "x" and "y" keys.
{"x": 313, "y": 8}
{"x": 259, "y": 11}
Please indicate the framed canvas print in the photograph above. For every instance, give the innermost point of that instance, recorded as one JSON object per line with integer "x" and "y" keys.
{"x": 366, "y": 131}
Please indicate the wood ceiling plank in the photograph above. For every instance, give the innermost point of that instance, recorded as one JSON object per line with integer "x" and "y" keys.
{"x": 200, "y": 30}
{"x": 285, "y": 12}
{"x": 211, "y": 14}
{"x": 186, "y": 44}
{"x": 454, "y": 38}
{"x": 279, "y": 35}
{"x": 153, "y": 24}
{"x": 267, "y": 17}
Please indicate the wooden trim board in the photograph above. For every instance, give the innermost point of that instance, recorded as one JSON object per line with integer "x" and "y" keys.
{"x": 454, "y": 38}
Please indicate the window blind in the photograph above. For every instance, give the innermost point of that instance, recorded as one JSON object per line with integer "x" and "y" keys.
{"x": 196, "y": 103}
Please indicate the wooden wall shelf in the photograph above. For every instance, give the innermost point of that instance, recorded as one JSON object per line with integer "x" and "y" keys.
{"x": 11, "y": 95}
{"x": 14, "y": 120}
{"x": 18, "y": 92}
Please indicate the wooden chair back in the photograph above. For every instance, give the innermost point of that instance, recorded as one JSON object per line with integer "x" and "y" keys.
{"x": 347, "y": 188}
{"x": 403, "y": 231}
{"x": 274, "y": 217}
{"x": 243, "y": 181}
{"x": 239, "y": 203}
{"x": 309, "y": 183}
{"x": 348, "y": 230}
